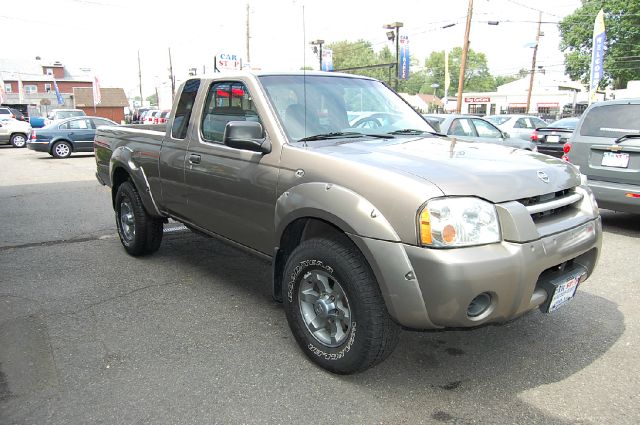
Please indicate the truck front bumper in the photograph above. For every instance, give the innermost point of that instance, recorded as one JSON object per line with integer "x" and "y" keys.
{"x": 434, "y": 288}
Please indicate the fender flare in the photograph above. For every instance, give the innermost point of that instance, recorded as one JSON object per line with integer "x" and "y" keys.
{"x": 338, "y": 205}
{"x": 123, "y": 158}
{"x": 373, "y": 235}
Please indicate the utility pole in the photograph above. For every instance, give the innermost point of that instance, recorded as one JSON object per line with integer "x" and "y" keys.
{"x": 171, "y": 77}
{"x": 463, "y": 59}
{"x": 391, "y": 36}
{"x": 248, "y": 36}
{"x": 140, "y": 78}
{"x": 533, "y": 63}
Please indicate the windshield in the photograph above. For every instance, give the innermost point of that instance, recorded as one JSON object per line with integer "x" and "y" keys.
{"x": 315, "y": 105}
{"x": 612, "y": 121}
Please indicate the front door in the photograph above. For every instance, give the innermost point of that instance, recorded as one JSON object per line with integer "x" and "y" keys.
{"x": 231, "y": 192}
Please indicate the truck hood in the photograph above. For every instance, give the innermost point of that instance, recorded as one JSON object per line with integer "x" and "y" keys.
{"x": 492, "y": 172}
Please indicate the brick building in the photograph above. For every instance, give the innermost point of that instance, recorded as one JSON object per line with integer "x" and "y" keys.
{"x": 111, "y": 106}
{"x": 36, "y": 77}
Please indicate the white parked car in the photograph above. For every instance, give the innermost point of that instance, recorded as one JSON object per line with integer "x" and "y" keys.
{"x": 61, "y": 114}
{"x": 519, "y": 126}
{"x": 14, "y": 132}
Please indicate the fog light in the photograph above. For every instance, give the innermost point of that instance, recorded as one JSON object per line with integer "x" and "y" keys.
{"x": 479, "y": 305}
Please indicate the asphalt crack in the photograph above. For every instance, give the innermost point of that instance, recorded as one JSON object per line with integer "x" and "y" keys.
{"x": 55, "y": 242}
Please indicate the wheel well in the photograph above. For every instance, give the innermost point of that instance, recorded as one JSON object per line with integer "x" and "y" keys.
{"x": 119, "y": 176}
{"x": 294, "y": 234}
{"x": 18, "y": 133}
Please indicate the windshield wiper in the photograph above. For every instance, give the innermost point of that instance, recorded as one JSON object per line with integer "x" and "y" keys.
{"x": 414, "y": 132}
{"x": 627, "y": 136}
{"x": 342, "y": 134}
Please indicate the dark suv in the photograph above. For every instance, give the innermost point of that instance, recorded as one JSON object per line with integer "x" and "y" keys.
{"x": 606, "y": 147}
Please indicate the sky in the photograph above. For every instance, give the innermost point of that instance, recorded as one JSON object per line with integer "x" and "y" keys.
{"x": 106, "y": 35}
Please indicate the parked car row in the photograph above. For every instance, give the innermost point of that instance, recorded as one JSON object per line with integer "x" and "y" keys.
{"x": 474, "y": 129}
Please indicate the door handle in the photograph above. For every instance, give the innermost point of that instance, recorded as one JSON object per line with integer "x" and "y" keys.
{"x": 72, "y": 133}
{"x": 194, "y": 159}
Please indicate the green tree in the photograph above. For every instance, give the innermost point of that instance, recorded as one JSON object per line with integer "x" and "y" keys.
{"x": 477, "y": 77}
{"x": 622, "y": 47}
{"x": 504, "y": 79}
{"x": 153, "y": 100}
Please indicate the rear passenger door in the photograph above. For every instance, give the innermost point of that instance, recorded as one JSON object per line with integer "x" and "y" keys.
{"x": 80, "y": 132}
{"x": 231, "y": 192}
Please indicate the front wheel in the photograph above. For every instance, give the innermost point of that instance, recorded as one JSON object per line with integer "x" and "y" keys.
{"x": 19, "y": 140}
{"x": 335, "y": 309}
{"x": 139, "y": 233}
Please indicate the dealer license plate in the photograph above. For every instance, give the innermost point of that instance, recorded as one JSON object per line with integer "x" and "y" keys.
{"x": 564, "y": 292}
{"x": 613, "y": 159}
{"x": 553, "y": 139}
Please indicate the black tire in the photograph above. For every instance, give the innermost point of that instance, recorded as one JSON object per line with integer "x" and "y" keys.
{"x": 139, "y": 233}
{"x": 19, "y": 140}
{"x": 367, "y": 336}
{"x": 61, "y": 150}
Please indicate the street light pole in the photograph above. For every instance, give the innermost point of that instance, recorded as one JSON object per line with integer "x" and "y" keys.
{"x": 463, "y": 59}
{"x": 396, "y": 26}
{"x": 318, "y": 43}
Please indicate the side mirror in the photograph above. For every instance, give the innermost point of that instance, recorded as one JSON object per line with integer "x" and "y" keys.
{"x": 505, "y": 135}
{"x": 246, "y": 135}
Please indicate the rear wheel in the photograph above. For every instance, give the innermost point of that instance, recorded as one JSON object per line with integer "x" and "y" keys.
{"x": 19, "y": 140}
{"x": 139, "y": 233}
{"x": 61, "y": 150}
{"x": 335, "y": 309}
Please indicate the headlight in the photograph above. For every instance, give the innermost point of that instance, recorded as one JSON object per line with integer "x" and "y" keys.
{"x": 456, "y": 222}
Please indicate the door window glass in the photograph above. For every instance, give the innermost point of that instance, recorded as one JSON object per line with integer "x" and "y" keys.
{"x": 183, "y": 111}
{"x": 226, "y": 101}
{"x": 461, "y": 127}
{"x": 79, "y": 124}
{"x": 522, "y": 123}
{"x": 485, "y": 129}
{"x": 98, "y": 122}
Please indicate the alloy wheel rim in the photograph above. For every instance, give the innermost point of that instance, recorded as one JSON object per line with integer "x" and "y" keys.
{"x": 19, "y": 141}
{"x": 62, "y": 149}
{"x": 325, "y": 308}
{"x": 127, "y": 220}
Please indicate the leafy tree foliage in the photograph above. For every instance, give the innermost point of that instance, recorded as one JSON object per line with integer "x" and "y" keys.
{"x": 477, "y": 77}
{"x": 622, "y": 54}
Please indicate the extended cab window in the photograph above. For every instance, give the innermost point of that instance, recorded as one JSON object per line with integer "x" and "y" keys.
{"x": 226, "y": 101}
{"x": 183, "y": 111}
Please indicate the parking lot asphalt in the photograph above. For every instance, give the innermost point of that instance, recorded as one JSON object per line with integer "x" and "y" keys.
{"x": 191, "y": 334}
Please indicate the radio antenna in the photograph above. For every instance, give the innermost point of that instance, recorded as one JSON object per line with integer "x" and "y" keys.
{"x": 304, "y": 68}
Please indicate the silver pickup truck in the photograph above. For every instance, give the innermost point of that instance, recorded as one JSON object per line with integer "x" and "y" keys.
{"x": 371, "y": 220}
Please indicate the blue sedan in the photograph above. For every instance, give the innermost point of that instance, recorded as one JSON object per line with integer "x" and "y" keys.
{"x": 62, "y": 138}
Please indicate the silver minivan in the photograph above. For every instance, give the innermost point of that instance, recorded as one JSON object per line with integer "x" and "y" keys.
{"x": 606, "y": 147}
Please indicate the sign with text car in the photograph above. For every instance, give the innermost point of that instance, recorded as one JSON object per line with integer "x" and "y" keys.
{"x": 228, "y": 61}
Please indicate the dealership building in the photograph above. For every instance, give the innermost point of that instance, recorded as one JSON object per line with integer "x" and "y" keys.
{"x": 548, "y": 98}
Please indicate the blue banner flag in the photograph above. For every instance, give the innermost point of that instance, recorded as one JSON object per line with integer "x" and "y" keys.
{"x": 405, "y": 59}
{"x": 58, "y": 95}
{"x": 597, "y": 55}
{"x": 327, "y": 60}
